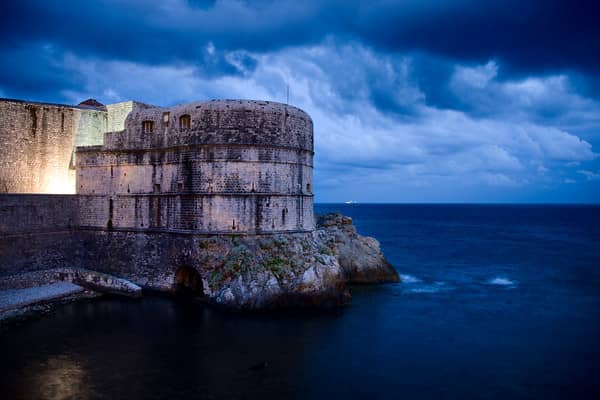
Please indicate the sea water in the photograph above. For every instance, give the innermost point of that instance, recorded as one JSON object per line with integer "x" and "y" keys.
{"x": 497, "y": 302}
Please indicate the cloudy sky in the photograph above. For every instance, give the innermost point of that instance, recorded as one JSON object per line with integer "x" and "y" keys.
{"x": 415, "y": 100}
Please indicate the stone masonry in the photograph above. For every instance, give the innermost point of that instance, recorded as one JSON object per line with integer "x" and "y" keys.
{"x": 229, "y": 166}
{"x": 38, "y": 141}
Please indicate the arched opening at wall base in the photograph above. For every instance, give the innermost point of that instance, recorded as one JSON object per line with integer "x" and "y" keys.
{"x": 188, "y": 282}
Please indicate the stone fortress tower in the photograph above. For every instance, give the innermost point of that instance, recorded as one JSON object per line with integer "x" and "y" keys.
{"x": 211, "y": 198}
{"x": 222, "y": 166}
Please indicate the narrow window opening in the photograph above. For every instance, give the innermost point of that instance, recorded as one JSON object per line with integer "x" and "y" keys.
{"x": 147, "y": 126}
{"x": 109, "y": 223}
{"x": 233, "y": 225}
{"x": 185, "y": 121}
{"x": 156, "y": 188}
{"x": 308, "y": 187}
{"x": 166, "y": 119}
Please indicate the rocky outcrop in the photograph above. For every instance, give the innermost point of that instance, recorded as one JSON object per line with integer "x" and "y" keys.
{"x": 292, "y": 270}
{"x": 359, "y": 256}
{"x": 280, "y": 271}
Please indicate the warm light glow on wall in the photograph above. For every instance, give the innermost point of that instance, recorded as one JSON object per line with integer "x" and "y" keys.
{"x": 59, "y": 182}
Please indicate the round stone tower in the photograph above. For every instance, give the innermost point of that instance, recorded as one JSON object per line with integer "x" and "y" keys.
{"x": 222, "y": 166}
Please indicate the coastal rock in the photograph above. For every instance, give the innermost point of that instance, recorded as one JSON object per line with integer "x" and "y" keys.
{"x": 292, "y": 270}
{"x": 360, "y": 257}
{"x": 281, "y": 271}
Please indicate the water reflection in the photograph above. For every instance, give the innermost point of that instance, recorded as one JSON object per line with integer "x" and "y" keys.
{"x": 157, "y": 347}
{"x": 60, "y": 377}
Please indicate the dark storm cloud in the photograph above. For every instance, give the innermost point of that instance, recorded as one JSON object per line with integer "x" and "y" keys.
{"x": 36, "y": 68}
{"x": 532, "y": 36}
{"x": 527, "y": 35}
{"x": 415, "y": 96}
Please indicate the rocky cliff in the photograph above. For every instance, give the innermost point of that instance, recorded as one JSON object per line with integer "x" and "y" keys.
{"x": 293, "y": 270}
{"x": 359, "y": 256}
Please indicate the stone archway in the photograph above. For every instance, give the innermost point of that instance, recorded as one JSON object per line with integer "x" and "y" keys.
{"x": 188, "y": 281}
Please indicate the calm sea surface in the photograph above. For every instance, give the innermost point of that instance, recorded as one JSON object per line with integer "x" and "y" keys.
{"x": 498, "y": 302}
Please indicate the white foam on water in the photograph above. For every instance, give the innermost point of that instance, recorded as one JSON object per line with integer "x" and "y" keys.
{"x": 429, "y": 288}
{"x": 424, "y": 289}
{"x": 405, "y": 278}
{"x": 501, "y": 281}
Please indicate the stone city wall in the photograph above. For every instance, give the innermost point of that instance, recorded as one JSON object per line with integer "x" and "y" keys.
{"x": 38, "y": 142}
{"x": 37, "y": 213}
{"x": 37, "y": 232}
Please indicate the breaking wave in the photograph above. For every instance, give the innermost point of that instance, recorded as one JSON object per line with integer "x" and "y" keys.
{"x": 501, "y": 281}
{"x": 429, "y": 288}
{"x": 405, "y": 278}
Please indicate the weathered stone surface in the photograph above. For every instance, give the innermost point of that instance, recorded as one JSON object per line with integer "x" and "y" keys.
{"x": 272, "y": 272}
{"x": 38, "y": 142}
{"x": 359, "y": 256}
{"x": 234, "y": 167}
{"x": 88, "y": 279}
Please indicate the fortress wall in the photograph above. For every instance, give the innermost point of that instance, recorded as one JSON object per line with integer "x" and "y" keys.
{"x": 218, "y": 122}
{"x": 37, "y": 142}
{"x": 202, "y": 214}
{"x": 117, "y": 114}
{"x": 91, "y": 127}
{"x": 112, "y": 173}
{"x": 37, "y": 232}
{"x": 37, "y": 213}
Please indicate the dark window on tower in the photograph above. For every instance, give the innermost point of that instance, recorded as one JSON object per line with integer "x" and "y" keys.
{"x": 308, "y": 187}
{"x": 147, "y": 126}
{"x": 185, "y": 121}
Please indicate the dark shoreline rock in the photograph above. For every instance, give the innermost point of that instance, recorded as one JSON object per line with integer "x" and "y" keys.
{"x": 359, "y": 256}
{"x": 271, "y": 272}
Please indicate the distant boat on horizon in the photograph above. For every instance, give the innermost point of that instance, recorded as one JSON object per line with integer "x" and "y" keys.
{"x": 350, "y": 202}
